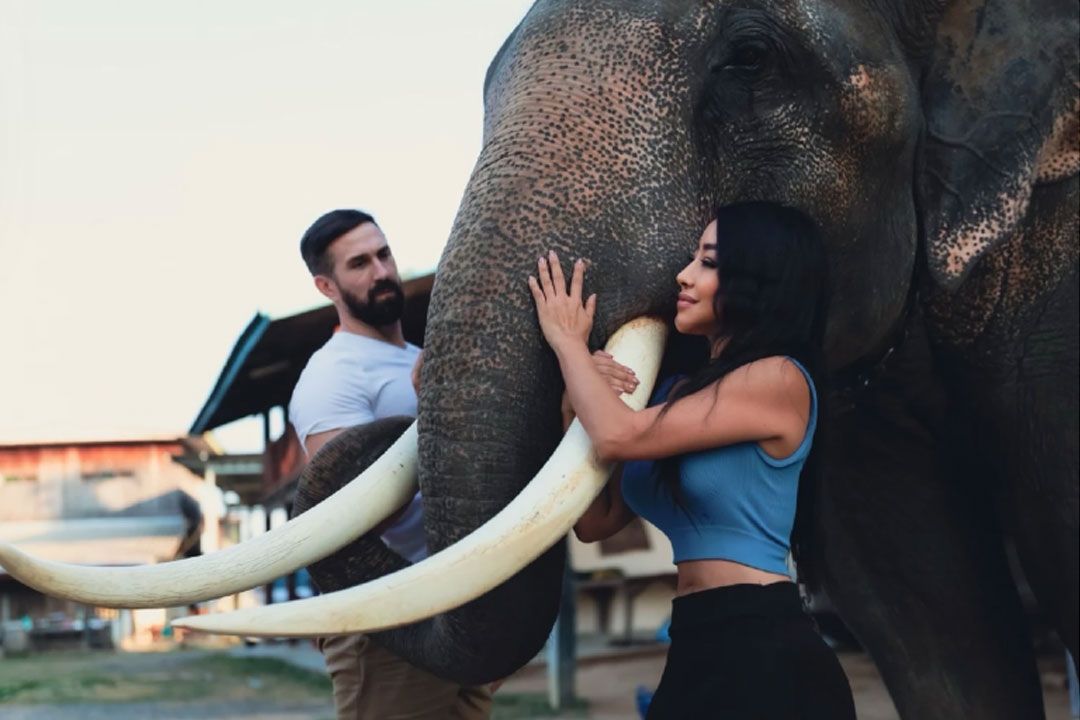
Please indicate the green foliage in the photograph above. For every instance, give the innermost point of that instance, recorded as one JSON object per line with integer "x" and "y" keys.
{"x": 71, "y": 678}
{"x": 10, "y": 690}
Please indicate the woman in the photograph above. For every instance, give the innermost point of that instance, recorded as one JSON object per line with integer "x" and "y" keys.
{"x": 733, "y": 438}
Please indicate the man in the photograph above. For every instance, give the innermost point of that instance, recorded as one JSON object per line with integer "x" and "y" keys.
{"x": 361, "y": 374}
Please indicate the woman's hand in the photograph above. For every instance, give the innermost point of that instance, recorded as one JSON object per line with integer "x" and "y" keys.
{"x": 563, "y": 317}
{"x": 621, "y": 379}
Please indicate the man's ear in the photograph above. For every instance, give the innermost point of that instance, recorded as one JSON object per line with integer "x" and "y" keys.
{"x": 327, "y": 287}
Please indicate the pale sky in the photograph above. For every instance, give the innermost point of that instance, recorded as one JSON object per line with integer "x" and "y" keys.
{"x": 160, "y": 160}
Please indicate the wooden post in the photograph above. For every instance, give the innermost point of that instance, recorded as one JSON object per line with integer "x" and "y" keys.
{"x": 5, "y": 616}
{"x": 86, "y": 615}
{"x": 561, "y": 648}
{"x": 268, "y": 589}
{"x": 210, "y": 540}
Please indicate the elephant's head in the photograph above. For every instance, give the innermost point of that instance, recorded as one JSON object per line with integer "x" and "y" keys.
{"x": 912, "y": 130}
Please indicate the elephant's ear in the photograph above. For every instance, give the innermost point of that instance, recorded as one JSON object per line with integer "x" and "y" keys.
{"x": 1001, "y": 105}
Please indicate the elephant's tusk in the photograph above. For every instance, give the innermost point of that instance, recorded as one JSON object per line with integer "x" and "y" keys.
{"x": 338, "y": 520}
{"x": 541, "y": 514}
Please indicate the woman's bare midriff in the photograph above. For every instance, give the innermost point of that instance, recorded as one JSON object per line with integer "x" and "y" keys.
{"x": 698, "y": 575}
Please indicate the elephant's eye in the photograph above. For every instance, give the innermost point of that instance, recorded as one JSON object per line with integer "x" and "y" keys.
{"x": 746, "y": 57}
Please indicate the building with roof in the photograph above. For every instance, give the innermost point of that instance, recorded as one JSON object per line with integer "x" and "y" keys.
{"x": 107, "y": 502}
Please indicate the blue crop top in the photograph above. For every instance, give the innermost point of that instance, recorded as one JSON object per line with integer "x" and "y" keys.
{"x": 740, "y": 501}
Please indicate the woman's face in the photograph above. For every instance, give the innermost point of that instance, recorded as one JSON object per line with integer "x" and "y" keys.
{"x": 698, "y": 283}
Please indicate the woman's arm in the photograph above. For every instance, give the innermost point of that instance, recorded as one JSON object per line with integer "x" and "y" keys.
{"x": 607, "y": 515}
{"x": 766, "y": 401}
{"x": 619, "y": 378}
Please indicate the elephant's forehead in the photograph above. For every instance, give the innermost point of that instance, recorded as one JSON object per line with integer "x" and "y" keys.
{"x": 589, "y": 59}
{"x": 659, "y": 40}
{"x": 587, "y": 109}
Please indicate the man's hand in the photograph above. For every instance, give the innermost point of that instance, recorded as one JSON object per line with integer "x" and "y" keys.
{"x": 416, "y": 372}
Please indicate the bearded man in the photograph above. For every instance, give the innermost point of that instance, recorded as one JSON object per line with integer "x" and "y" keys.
{"x": 364, "y": 373}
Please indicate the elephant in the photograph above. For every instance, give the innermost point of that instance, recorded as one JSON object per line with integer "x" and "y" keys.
{"x": 935, "y": 143}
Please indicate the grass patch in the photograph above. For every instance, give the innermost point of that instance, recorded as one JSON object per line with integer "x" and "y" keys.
{"x": 10, "y": 690}
{"x": 67, "y": 678}
{"x": 518, "y": 706}
{"x": 174, "y": 676}
{"x": 268, "y": 670}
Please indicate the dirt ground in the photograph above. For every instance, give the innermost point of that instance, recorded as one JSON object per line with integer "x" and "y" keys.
{"x": 609, "y": 686}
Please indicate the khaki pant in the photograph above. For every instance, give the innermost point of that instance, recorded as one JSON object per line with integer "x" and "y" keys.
{"x": 371, "y": 683}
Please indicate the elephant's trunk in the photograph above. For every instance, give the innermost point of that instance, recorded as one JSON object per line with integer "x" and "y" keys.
{"x": 489, "y": 418}
{"x": 564, "y": 138}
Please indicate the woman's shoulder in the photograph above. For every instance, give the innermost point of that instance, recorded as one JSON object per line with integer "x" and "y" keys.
{"x": 774, "y": 378}
{"x": 769, "y": 368}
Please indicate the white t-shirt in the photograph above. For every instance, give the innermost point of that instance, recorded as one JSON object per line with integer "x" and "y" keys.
{"x": 353, "y": 380}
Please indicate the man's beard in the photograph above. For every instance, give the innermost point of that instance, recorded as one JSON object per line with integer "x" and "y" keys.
{"x": 377, "y": 313}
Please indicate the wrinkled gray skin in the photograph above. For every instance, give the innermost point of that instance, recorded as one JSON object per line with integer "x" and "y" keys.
{"x": 936, "y": 144}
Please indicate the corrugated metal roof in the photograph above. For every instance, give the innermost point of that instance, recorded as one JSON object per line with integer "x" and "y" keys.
{"x": 266, "y": 360}
{"x": 99, "y": 541}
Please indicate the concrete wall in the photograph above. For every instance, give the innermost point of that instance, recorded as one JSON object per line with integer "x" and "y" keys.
{"x": 651, "y": 608}
{"x": 641, "y": 554}
{"x": 91, "y": 480}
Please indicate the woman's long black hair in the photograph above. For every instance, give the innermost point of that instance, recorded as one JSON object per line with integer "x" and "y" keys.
{"x": 772, "y": 299}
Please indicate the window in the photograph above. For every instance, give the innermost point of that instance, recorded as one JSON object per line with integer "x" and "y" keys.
{"x": 107, "y": 475}
{"x": 21, "y": 478}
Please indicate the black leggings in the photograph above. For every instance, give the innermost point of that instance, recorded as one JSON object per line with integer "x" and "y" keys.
{"x": 749, "y": 651}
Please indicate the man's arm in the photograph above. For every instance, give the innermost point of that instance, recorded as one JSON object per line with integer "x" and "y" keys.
{"x": 415, "y": 376}
{"x": 314, "y": 442}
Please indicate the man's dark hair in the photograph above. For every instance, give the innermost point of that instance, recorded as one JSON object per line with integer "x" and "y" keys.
{"x": 326, "y": 230}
